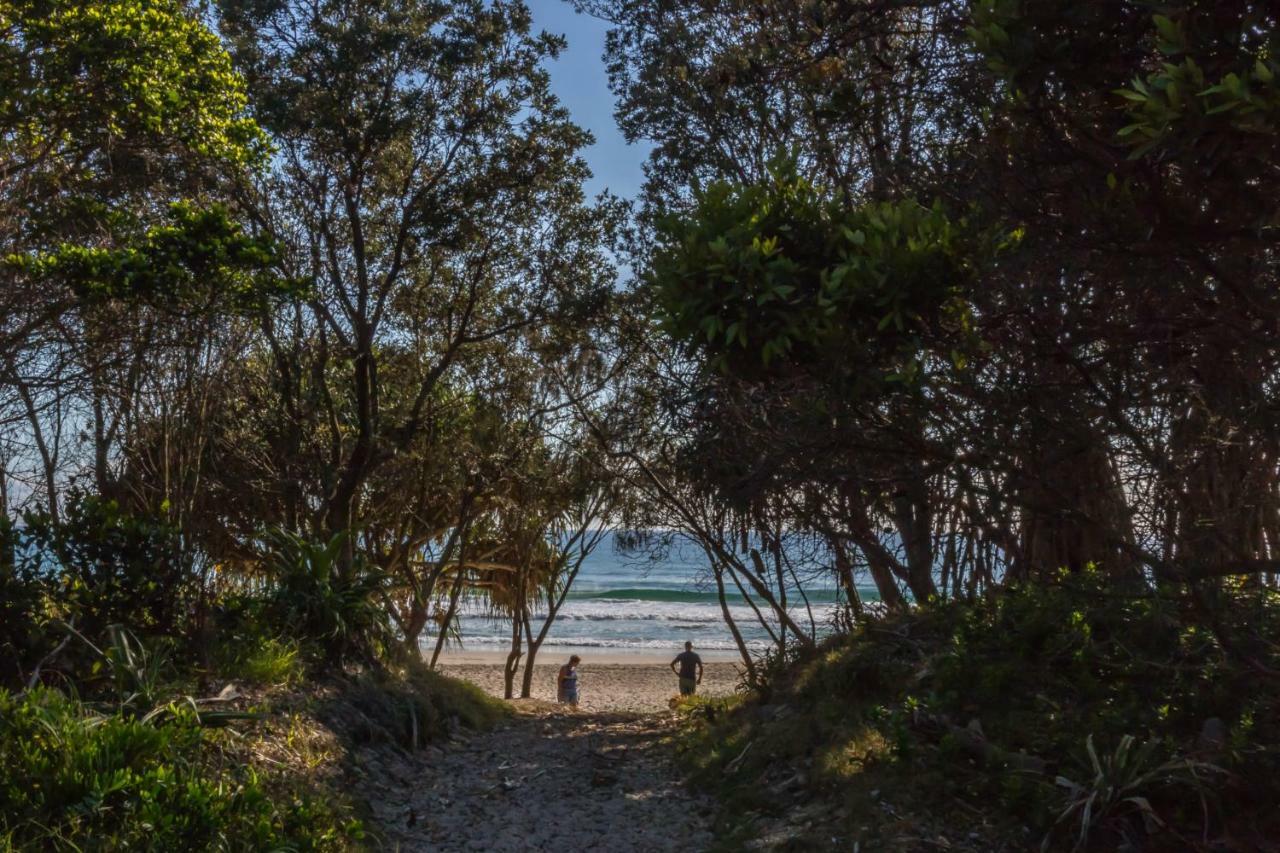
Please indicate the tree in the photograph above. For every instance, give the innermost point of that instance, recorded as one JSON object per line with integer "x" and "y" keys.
{"x": 1142, "y": 166}
{"x": 579, "y": 504}
{"x": 866, "y": 101}
{"x": 1099, "y": 397}
{"x": 429, "y": 184}
{"x": 122, "y": 122}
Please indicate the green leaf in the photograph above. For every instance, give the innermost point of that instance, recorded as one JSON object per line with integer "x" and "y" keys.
{"x": 1130, "y": 95}
{"x": 1171, "y": 38}
{"x": 1222, "y": 108}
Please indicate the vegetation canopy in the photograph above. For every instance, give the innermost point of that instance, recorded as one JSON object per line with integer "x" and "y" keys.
{"x": 941, "y": 335}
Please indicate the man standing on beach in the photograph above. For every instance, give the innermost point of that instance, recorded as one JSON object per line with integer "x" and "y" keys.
{"x": 690, "y": 671}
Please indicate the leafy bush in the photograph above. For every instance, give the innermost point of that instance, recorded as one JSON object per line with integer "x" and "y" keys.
{"x": 988, "y": 703}
{"x": 106, "y": 566}
{"x": 94, "y": 567}
{"x": 1085, "y": 656}
{"x": 75, "y": 780}
{"x": 24, "y": 637}
{"x": 315, "y": 594}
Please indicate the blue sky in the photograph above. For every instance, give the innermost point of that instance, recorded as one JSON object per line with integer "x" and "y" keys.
{"x": 578, "y": 78}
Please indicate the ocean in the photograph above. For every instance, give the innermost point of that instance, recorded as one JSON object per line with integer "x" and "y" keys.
{"x": 628, "y": 602}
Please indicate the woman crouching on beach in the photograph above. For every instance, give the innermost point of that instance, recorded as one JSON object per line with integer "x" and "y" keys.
{"x": 567, "y": 682}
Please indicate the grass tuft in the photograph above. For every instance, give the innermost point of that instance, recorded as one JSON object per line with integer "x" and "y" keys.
{"x": 269, "y": 661}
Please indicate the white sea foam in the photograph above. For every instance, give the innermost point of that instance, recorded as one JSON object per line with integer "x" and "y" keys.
{"x": 717, "y": 644}
{"x": 613, "y": 610}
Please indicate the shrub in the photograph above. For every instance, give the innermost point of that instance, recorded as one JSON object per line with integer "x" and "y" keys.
{"x": 137, "y": 672}
{"x": 24, "y": 636}
{"x": 76, "y": 780}
{"x": 895, "y": 706}
{"x": 315, "y": 595}
{"x": 1118, "y": 790}
{"x": 408, "y": 708}
{"x": 106, "y": 566}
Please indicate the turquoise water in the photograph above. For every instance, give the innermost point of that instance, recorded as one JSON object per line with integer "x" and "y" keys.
{"x": 628, "y": 602}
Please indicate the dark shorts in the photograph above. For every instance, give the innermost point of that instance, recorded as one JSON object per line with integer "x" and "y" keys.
{"x": 568, "y": 697}
{"x": 688, "y": 686}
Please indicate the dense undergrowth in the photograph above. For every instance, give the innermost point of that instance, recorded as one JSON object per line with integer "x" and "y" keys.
{"x": 264, "y": 767}
{"x": 1071, "y": 717}
{"x": 78, "y": 780}
{"x": 142, "y": 708}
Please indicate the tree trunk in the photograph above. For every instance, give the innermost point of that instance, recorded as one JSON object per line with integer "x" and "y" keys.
{"x": 412, "y": 626}
{"x": 756, "y": 581}
{"x": 513, "y": 660}
{"x": 885, "y": 568}
{"x": 913, "y": 517}
{"x": 1226, "y": 484}
{"x": 747, "y": 661}
{"x": 1074, "y": 513}
{"x": 455, "y": 595}
{"x": 844, "y": 575}
{"x": 340, "y": 513}
{"x": 533, "y": 643}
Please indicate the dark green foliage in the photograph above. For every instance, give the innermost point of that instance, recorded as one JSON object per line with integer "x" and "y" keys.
{"x": 71, "y": 584}
{"x": 78, "y": 781}
{"x": 24, "y": 609}
{"x": 101, "y": 566}
{"x": 245, "y": 638}
{"x": 1111, "y": 691}
{"x": 202, "y": 258}
{"x": 780, "y": 275}
{"x": 1207, "y": 94}
{"x": 320, "y": 592}
{"x": 1087, "y": 656}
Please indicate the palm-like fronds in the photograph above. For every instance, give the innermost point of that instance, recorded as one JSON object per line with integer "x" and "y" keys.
{"x": 1120, "y": 786}
{"x": 316, "y": 594}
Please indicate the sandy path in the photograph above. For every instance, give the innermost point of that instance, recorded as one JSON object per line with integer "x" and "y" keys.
{"x": 547, "y": 781}
{"x": 598, "y": 779}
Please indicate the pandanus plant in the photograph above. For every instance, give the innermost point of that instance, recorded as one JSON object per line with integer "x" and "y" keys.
{"x": 321, "y": 592}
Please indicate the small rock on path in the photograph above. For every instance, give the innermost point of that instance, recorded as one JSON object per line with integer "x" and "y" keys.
{"x": 546, "y": 780}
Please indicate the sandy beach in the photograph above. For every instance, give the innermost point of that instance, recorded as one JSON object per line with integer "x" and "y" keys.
{"x": 628, "y": 683}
